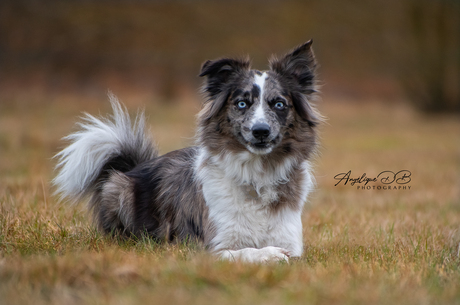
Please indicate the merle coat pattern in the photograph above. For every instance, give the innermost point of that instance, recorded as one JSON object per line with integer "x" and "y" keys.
{"x": 240, "y": 191}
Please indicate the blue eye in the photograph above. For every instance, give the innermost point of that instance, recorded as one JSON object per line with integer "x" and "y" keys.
{"x": 279, "y": 105}
{"x": 242, "y": 105}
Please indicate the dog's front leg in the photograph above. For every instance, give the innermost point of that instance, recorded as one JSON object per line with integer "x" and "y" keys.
{"x": 253, "y": 255}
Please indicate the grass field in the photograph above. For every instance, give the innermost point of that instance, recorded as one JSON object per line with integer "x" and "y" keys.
{"x": 361, "y": 246}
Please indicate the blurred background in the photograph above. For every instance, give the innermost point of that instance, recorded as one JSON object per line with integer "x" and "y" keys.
{"x": 390, "y": 49}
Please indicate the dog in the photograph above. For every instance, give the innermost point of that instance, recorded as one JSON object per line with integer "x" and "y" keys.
{"x": 240, "y": 191}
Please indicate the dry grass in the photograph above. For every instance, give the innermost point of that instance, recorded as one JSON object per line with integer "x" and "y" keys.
{"x": 362, "y": 247}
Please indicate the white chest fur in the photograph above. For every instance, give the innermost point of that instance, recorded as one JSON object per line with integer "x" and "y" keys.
{"x": 239, "y": 195}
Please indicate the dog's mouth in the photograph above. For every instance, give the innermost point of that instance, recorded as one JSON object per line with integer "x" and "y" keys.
{"x": 260, "y": 148}
{"x": 261, "y": 145}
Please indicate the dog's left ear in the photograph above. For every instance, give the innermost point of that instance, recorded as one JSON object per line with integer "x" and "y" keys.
{"x": 299, "y": 66}
{"x": 298, "y": 69}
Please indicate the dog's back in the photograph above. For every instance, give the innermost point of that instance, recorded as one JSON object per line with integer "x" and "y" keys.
{"x": 131, "y": 189}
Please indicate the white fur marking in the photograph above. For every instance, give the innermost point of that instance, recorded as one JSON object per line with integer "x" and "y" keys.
{"x": 92, "y": 146}
{"x": 259, "y": 114}
{"x": 242, "y": 222}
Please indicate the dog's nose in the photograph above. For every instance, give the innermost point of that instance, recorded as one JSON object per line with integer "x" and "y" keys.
{"x": 260, "y": 131}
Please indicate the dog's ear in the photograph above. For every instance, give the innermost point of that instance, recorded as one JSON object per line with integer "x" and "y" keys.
{"x": 299, "y": 66}
{"x": 219, "y": 72}
{"x": 298, "y": 70}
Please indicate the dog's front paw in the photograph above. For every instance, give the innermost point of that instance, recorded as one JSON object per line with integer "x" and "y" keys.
{"x": 253, "y": 255}
{"x": 272, "y": 254}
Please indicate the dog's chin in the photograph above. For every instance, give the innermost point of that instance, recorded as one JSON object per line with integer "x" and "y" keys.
{"x": 261, "y": 148}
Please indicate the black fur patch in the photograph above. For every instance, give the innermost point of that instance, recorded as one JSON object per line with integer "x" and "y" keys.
{"x": 220, "y": 72}
{"x": 255, "y": 91}
{"x": 168, "y": 202}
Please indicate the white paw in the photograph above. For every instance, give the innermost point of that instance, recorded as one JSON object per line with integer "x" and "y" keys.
{"x": 272, "y": 254}
{"x": 253, "y": 255}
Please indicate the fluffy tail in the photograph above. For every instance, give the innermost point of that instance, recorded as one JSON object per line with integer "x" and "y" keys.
{"x": 101, "y": 148}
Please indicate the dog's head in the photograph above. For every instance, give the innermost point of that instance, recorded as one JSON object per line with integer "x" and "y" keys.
{"x": 262, "y": 112}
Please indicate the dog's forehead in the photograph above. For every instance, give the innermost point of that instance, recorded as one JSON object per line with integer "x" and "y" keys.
{"x": 267, "y": 82}
{"x": 258, "y": 81}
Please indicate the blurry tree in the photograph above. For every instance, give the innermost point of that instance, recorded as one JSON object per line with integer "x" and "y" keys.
{"x": 430, "y": 72}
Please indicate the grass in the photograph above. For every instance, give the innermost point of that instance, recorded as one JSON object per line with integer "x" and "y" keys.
{"x": 361, "y": 247}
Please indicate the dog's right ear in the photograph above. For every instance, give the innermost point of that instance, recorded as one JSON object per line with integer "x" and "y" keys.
{"x": 219, "y": 72}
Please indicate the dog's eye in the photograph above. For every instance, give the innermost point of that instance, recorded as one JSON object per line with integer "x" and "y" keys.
{"x": 242, "y": 105}
{"x": 279, "y": 105}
